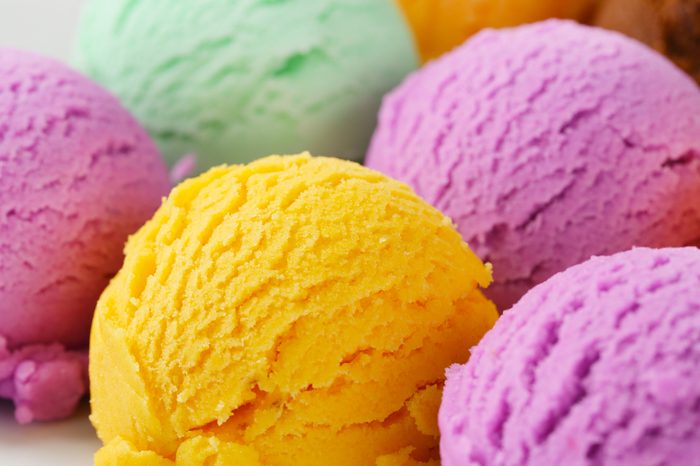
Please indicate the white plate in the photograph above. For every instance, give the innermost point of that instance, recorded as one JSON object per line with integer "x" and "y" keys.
{"x": 66, "y": 443}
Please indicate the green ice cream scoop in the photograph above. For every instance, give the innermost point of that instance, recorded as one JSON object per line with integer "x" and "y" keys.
{"x": 232, "y": 80}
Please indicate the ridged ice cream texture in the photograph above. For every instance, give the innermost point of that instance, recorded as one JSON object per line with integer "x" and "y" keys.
{"x": 234, "y": 80}
{"x": 78, "y": 174}
{"x": 546, "y": 144}
{"x": 296, "y": 310}
{"x": 597, "y": 366}
{"x": 441, "y": 25}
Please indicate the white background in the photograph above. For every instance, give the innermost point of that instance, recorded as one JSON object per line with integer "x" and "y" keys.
{"x": 67, "y": 443}
{"x": 47, "y": 27}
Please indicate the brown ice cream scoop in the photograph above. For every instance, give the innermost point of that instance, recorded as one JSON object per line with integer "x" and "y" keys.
{"x": 670, "y": 26}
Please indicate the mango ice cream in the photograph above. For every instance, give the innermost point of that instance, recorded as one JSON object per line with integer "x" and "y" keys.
{"x": 441, "y": 25}
{"x": 294, "y": 311}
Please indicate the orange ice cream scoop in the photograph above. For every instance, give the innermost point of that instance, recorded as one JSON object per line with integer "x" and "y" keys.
{"x": 441, "y": 25}
{"x": 294, "y": 311}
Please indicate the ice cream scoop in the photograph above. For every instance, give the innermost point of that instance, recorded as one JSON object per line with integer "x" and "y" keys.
{"x": 670, "y": 26}
{"x": 233, "y": 80}
{"x": 293, "y": 311}
{"x": 77, "y": 175}
{"x": 598, "y": 365}
{"x": 546, "y": 144}
{"x": 441, "y": 25}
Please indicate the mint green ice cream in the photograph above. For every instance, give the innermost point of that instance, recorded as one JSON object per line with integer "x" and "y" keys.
{"x": 232, "y": 80}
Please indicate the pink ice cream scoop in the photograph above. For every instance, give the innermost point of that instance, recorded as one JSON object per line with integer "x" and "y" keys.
{"x": 77, "y": 175}
{"x": 546, "y": 144}
{"x": 599, "y": 365}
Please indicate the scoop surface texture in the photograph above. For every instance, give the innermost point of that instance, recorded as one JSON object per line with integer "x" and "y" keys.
{"x": 294, "y": 311}
{"x": 77, "y": 175}
{"x": 234, "y": 80}
{"x": 597, "y": 366}
{"x": 547, "y": 144}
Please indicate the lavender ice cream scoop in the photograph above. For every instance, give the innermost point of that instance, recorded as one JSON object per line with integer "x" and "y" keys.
{"x": 546, "y": 144}
{"x": 599, "y": 365}
{"x": 77, "y": 175}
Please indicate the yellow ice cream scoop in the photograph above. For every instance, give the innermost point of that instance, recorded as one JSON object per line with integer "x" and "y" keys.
{"x": 294, "y": 311}
{"x": 441, "y": 25}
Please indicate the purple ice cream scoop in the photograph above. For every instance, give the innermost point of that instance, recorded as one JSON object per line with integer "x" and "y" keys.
{"x": 546, "y": 144}
{"x": 77, "y": 176}
{"x": 599, "y": 365}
